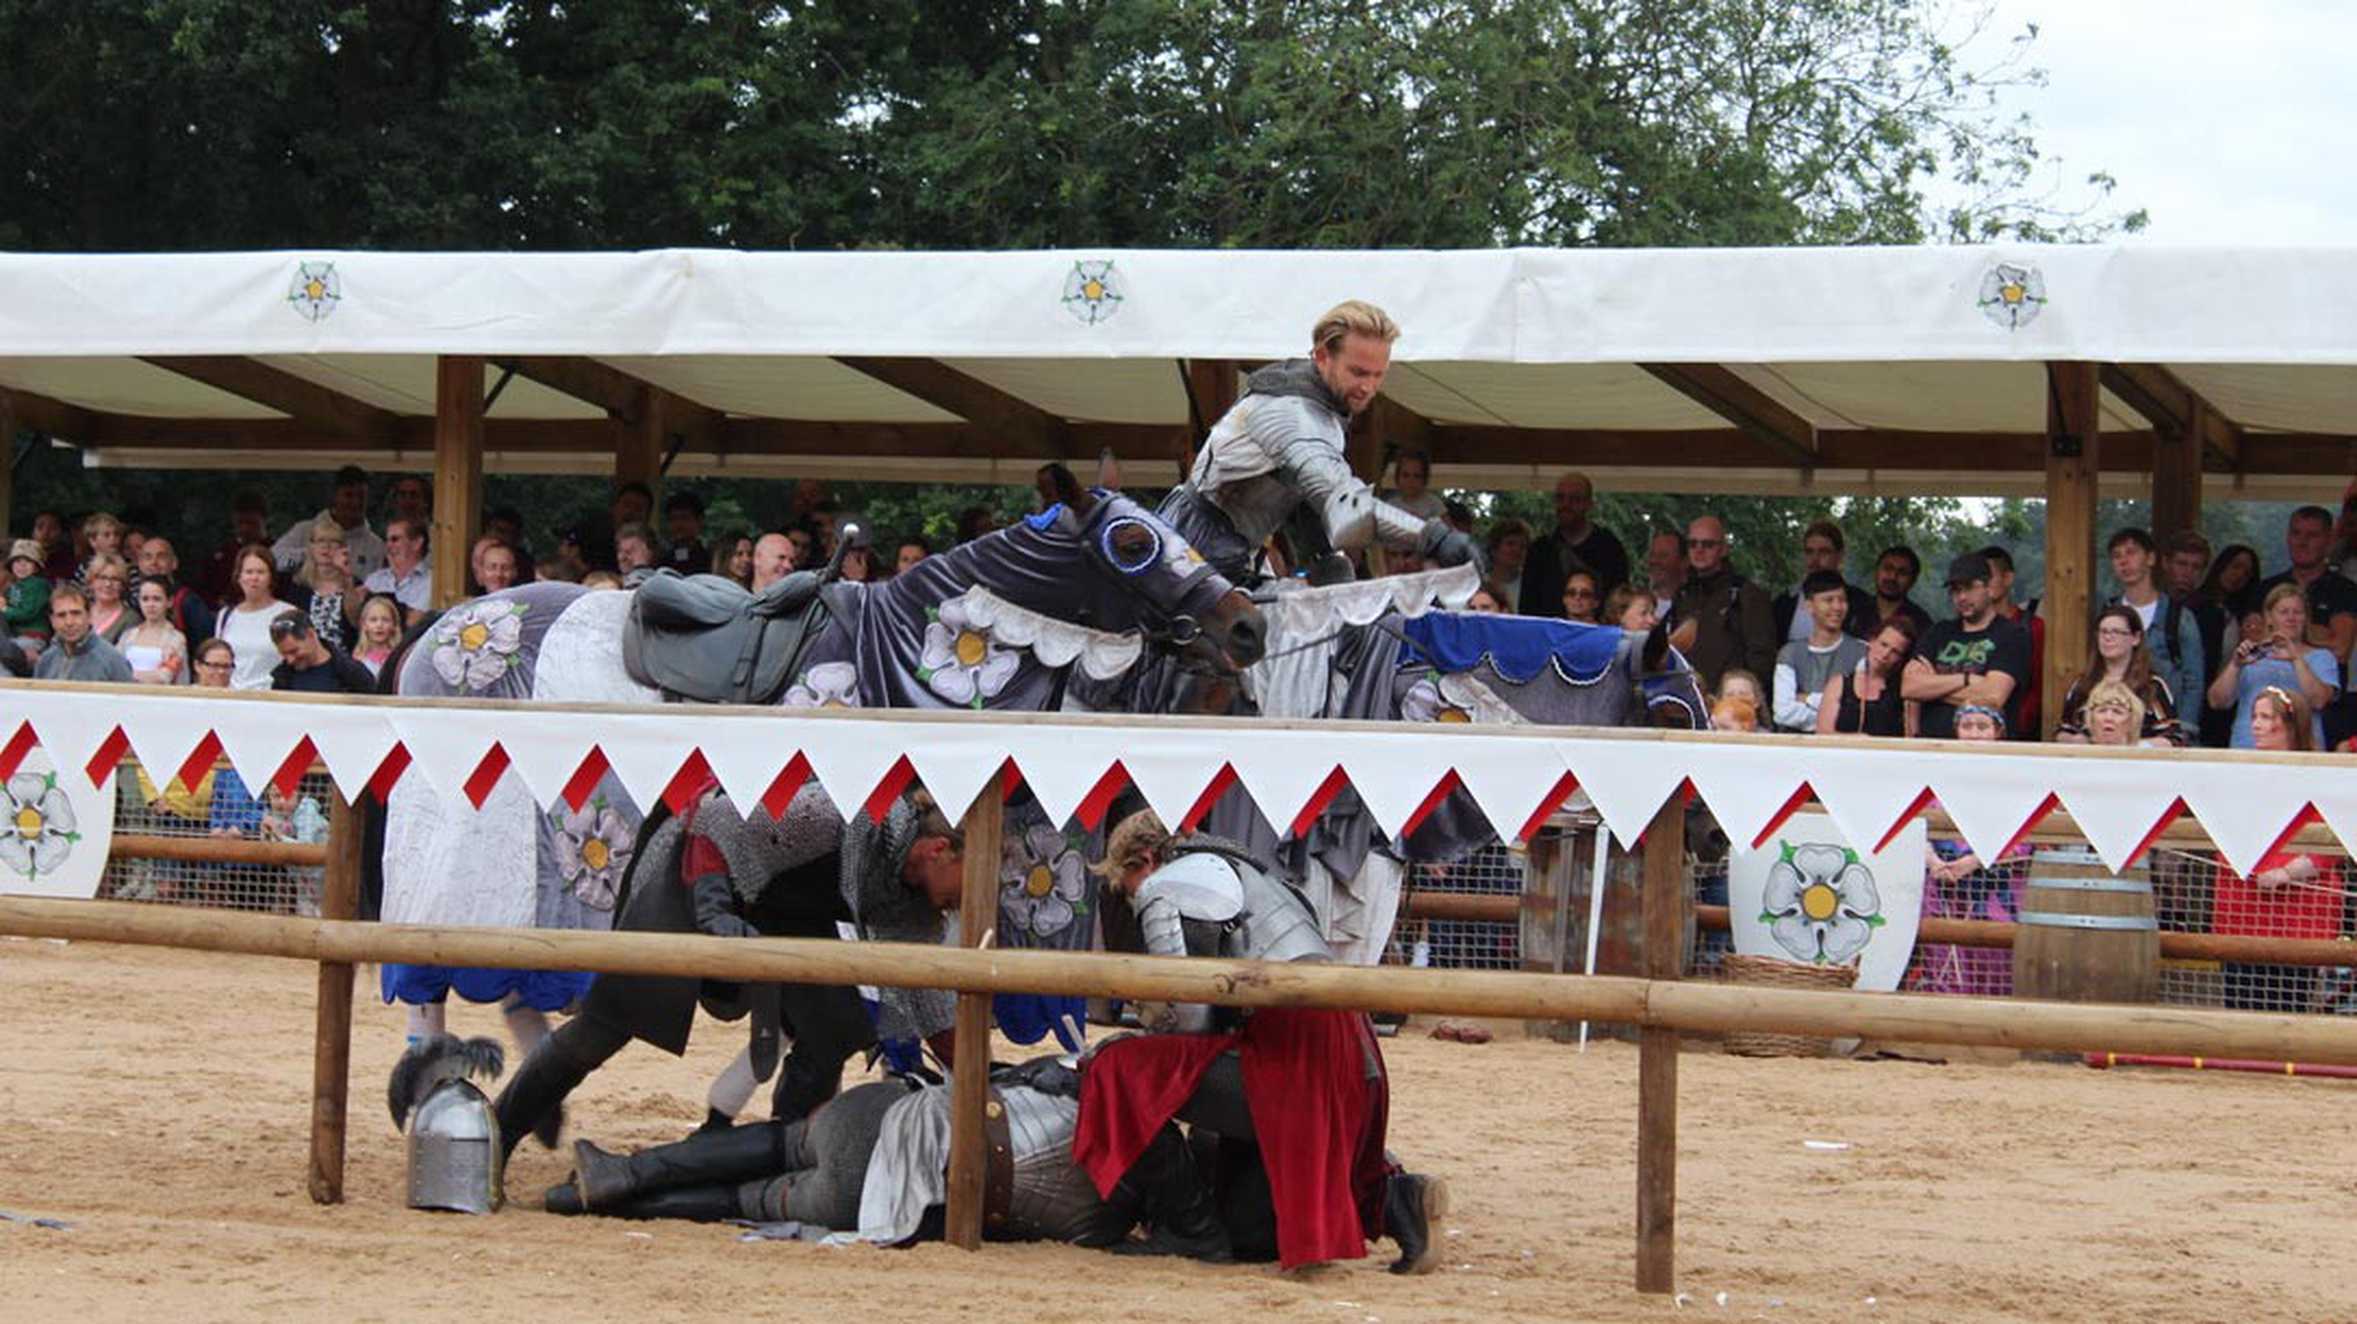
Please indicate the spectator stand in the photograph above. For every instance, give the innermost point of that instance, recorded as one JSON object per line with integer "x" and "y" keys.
{"x": 2061, "y": 372}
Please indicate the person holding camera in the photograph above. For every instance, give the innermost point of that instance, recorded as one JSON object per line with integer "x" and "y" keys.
{"x": 2281, "y": 658}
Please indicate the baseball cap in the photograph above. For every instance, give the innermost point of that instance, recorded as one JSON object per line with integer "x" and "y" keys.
{"x": 1967, "y": 568}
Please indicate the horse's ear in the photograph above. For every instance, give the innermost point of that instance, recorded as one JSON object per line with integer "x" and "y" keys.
{"x": 1056, "y": 483}
{"x": 1657, "y": 646}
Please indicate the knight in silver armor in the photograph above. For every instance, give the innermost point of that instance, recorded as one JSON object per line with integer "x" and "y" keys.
{"x": 1211, "y": 899}
{"x": 1278, "y": 459}
{"x": 454, "y": 1150}
{"x": 872, "y": 1161}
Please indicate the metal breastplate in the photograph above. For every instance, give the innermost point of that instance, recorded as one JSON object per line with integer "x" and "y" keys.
{"x": 1277, "y": 924}
{"x": 1052, "y": 1199}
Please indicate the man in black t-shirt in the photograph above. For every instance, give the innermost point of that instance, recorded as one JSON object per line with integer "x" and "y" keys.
{"x": 1978, "y": 658}
{"x": 306, "y": 663}
{"x": 1577, "y": 543}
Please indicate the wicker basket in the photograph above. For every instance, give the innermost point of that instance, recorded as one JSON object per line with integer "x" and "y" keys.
{"x": 1773, "y": 972}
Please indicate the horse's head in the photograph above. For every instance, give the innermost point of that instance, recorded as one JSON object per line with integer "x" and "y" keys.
{"x": 1143, "y": 575}
{"x": 1667, "y": 682}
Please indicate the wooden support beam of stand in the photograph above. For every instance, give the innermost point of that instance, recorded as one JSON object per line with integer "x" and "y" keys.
{"x": 1212, "y": 385}
{"x": 8, "y": 426}
{"x": 331, "y": 1052}
{"x": 2074, "y": 416}
{"x": 638, "y": 452}
{"x": 299, "y": 398}
{"x": 587, "y": 380}
{"x": 2176, "y": 486}
{"x": 1665, "y": 905}
{"x": 458, "y": 472}
{"x": 970, "y": 1073}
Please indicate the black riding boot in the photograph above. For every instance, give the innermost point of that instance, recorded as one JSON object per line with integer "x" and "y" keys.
{"x": 701, "y": 1204}
{"x": 1412, "y": 1206}
{"x": 1173, "y": 1199}
{"x": 608, "y": 1182}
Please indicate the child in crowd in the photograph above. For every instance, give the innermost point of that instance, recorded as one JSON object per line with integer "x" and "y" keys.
{"x": 1632, "y": 609}
{"x": 1737, "y": 683}
{"x": 27, "y": 609}
{"x": 380, "y": 632}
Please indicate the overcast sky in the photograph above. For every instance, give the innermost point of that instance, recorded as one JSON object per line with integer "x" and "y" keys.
{"x": 2229, "y": 121}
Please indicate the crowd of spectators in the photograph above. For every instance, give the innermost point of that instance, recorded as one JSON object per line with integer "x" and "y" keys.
{"x": 2181, "y": 654}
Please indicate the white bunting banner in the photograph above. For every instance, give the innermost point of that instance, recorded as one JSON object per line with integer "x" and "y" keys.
{"x": 2246, "y": 804}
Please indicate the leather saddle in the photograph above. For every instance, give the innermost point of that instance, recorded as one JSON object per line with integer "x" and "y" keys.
{"x": 705, "y": 639}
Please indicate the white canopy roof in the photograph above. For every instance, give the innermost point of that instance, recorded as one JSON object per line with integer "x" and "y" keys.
{"x": 1521, "y": 361}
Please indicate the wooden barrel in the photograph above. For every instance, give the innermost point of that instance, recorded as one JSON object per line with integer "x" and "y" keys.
{"x": 2086, "y": 935}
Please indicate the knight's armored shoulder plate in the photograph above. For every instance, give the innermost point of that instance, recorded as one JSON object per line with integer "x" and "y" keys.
{"x": 1203, "y": 885}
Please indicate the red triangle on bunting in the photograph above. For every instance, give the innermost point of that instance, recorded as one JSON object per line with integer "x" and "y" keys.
{"x": 786, "y": 786}
{"x": 1318, "y": 800}
{"x": 290, "y": 773}
{"x": 585, "y": 779}
{"x": 690, "y": 781}
{"x": 486, "y": 776}
{"x": 1564, "y": 786}
{"x": 199, "y": 762}
{"x": 2177, "y": 808}
{"x": 105, "y": 757}
{"x": 1211, "y": 794}
{"x": 1100, "y": 797}
{"x": 19, "y": 745}
{"x": 1923, "y": 800}
{"x": 879, "y": 801}
{"x": 388, "y": 772}
{"x": 1801, "y": 795}
{"x": 1431, "y": 802}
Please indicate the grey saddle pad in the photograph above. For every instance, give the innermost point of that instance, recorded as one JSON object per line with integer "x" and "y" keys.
{"x": 705, "y": 639}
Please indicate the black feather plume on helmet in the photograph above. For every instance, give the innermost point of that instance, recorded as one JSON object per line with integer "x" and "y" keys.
{"x": 432, "y": 1062}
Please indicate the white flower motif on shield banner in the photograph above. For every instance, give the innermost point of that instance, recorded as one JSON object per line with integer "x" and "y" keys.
{"x": 39, "y": 833}
{"x": 827, "y": 685}
{"x": 961, "y": 662}
{"x": 1043, "y": 882}
{"x": 1425, "y": 703}
{"x": 593, "y": 852}
{"x": 1092, "y": 291}
{"x": 1820, "y": 903}
{"x": 476, "y": 645}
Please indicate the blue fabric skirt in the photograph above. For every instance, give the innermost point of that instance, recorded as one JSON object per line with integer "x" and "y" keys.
{"x": 542, "y": 990}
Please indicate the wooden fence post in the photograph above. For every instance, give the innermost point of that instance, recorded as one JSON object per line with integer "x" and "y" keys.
{"x": 331, "y": 1053}
{"x": 1665, "y": 905}
{"x": 970, "y": 1073}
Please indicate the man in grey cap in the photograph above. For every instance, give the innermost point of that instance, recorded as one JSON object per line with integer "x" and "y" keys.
{"x": 1977, "y": 659}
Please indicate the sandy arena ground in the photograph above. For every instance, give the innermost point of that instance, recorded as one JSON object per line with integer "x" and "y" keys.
{"x": 158, "y": 1102}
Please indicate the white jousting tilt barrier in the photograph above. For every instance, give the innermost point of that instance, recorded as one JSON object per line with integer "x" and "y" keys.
{"x": 2120, "y": 799}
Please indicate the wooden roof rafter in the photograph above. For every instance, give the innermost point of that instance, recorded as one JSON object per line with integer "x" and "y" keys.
{"x": 2175, "y": 409}
{"x": 43, "y": 414}
{"x": 299, "y": 398}
{"x": 972, "y": 399}
{"x": 1718, "y": 389}
{"x": 626, "y": 398}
